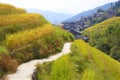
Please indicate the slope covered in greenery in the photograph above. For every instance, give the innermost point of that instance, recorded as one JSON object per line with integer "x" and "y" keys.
{"x": 106, "y": 36}
{"x": 9, "y": 9}
{"x": 26, "y": 36}
{"x": 13, "y": 23}
{"x": 37, "y": 43}
{"x": 83, "y": 63}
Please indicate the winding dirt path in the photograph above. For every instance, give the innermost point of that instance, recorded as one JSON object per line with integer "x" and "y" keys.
{"x": 25, "y": 70}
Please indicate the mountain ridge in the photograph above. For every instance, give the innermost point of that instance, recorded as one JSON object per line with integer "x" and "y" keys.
{"x": 53, "y": 17}
{"x": 89, "y": 12}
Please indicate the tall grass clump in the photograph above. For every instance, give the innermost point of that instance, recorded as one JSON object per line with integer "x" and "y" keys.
{"x": 7, "y": 64}
{"x": 88, "y": 75}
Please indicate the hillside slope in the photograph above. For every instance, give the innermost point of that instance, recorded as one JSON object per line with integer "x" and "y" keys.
{"x": 53, "y": 17}
{"x": 9, "y": 9}
{"x": 83, "y": 63}
{"x": 89, "y": 12}
{"x": 26, "y": 73}
{"x": 106, "y": 36}
{"x": 13, "y": 23}
{"x": 26, "y": 36}
{"x": 76, "y": 27}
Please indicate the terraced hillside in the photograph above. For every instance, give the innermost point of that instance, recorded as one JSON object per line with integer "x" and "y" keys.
{"x": 83, "y": 63}
{"x": 9, "y": 9}
{"x": 25, "y": 36}
{"x": 106, "y": 36}
{"x": 13, "y": 23}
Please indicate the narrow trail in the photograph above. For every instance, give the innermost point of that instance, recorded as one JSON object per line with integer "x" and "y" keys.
{"x": 25, "y": 70}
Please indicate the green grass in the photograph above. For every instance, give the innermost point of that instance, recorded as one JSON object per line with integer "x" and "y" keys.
{"x": 106, "y": 36}
{"x": 106, "y": 67}
{"x": 88, "y": 75}
{"x": 63, "y": 69}
{"x": 83, "y": 63}
{"x": 3, "y": 50}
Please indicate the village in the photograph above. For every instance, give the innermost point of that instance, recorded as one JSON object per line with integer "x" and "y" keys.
{"x": 78, "y": 26}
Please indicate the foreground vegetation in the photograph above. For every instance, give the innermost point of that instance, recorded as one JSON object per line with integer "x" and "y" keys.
{"x": 106, "y": 37}
{"x": 25, "y": 36}
{"x": 83, "y": 63}
{"x": 37, "y": 43}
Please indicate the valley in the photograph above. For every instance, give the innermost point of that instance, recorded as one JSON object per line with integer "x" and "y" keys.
{"x": 33, "y": 47}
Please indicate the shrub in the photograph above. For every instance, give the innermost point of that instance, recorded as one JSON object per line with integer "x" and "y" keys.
{"x": 7, "y": 64}
{"x": 3, "y": 49}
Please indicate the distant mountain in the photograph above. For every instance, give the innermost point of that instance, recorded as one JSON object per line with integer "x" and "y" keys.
{"x": 53, "y": 17}
{"x": 89, "y": 12}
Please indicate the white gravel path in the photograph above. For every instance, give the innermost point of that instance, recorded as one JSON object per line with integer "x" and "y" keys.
{"x": 25, "y": 70}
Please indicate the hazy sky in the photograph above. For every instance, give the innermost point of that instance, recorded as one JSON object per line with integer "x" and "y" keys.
{"x": 61, "y": 6}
